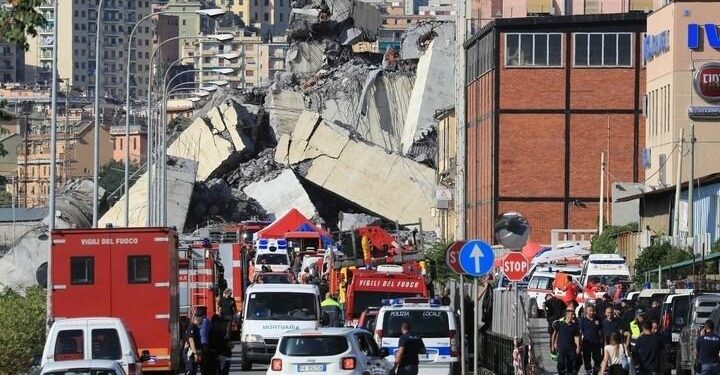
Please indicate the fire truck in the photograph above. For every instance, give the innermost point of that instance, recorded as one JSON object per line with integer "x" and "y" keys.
{"x": 105, "y": 272}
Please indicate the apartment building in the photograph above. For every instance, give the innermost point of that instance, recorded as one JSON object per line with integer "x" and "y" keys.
{"x": 269, "y": 16}
{"x": 394, "y": 23}
{"x": 271, "y": 59}
{"x": 12, "y": 63}
{"x": 76, "y": 46}
{"x": 74, "y": 144}
{"x": 483, "y": 11}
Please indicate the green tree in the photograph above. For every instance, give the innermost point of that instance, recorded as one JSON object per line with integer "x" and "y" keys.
{"x": 715, "y": 246}
{"x": 20, "y": 20}
{"x": 657, "y": 255}
{"x": 5, "y": 199}
{"x": 606, "y": 243}
{"x": 436, "y": 253}
{"x": 22, "y": 329}
{"x": 111, "y": 178}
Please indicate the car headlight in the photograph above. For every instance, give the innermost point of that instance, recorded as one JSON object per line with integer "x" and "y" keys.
{"x": 252, "y": 338}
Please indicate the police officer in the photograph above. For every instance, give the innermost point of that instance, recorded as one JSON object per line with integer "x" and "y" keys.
{"x": 591, "y": 330}
{"x": 708, "y": 350}
{"x": 410, "y": 346}
{"x": 566, "y": 342}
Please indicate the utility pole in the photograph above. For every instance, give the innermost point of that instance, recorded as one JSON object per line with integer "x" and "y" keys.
{"x": 678, "y": 183}
{"x": 53, "y": 160}
{"x": 690, "y": 210}
{"x": 601, "y": 221}
{"x": 460, "y": 31}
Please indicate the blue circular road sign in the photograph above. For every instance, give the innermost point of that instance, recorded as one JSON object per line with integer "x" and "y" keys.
{"x": 477, "y": 258}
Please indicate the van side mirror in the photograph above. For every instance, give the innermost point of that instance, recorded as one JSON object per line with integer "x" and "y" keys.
{"x": 37, "y": 359}
{"x": 384, "y": 352}
{"x": 679, "y": 321}
{"x": 145, "y": 356}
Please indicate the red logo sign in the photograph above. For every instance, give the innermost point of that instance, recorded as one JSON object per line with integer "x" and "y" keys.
{"x": 515, "y": 266}
{"x": 707, "y": 82}
{"x": 452, "y": 256}
{"x": 385, "y": 284}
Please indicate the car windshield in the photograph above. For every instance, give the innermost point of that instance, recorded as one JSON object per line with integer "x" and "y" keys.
{"x": 313, "y": 346}
{"x": 272, "y": 259}
{"x": 607, "y": 279}
{"x": 680, "y": 310}
{"x": 83, "y": 371}
{"x": 428, "y": 323}
{"x": 282, "y": 306}
{"x": 274, "y": 278}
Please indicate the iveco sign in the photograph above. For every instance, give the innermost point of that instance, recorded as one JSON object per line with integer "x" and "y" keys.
{"x": 695, "y": 35}
{"x": 707, "y": 82}
{"x": 655, "y": 45}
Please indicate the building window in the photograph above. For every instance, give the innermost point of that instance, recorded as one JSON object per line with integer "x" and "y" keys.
{"x": 266, "y": 16}
{"x": 184, "y": 22}
{"x": 603, "y": 49}
{"x": 121, "y": 140}
{"x": 82, "y": 270}
{"x": 134, "y": 143}
{"x": 541, "y": 49}
{"x": 139, "y": 269}
{"x": 281, "y": 17}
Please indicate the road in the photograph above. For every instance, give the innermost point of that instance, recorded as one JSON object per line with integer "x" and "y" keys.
{"x": 235, "y": 365}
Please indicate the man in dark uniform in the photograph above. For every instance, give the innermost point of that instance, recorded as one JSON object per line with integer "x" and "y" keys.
{"x": 653, "y": 313}
{"x": 192, "y": 347}
{"x": 554, "y": 310}
{"x": 610, "y": 324}
{"x": 648, "y": 351}
{"x": 591, "y": 330}
{"x": 708, "y": 350}
{"x": 410, "y": 346}
{"x": 566, "y": 342}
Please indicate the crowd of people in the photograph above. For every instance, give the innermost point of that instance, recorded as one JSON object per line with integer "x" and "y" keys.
{"x": 624, "y": 339}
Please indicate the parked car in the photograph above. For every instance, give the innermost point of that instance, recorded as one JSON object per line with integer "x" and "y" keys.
{"x": 699, "y": 311}
{"x": 83, "y": 367}
{"x": 329, "y": 351}
{"x": 674, "y": 312}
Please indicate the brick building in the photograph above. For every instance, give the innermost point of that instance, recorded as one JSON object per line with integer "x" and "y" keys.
{"x": 545, "y": 96}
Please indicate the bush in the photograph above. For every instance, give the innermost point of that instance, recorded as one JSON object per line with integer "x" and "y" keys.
{"x": 605, "y": 243}
{"x": 657, "y": 255}
{"x": 22, "y": 329}
{"x": 436, "y": 253}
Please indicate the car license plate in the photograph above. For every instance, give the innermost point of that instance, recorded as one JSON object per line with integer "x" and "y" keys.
{"x": 311, "y": 368}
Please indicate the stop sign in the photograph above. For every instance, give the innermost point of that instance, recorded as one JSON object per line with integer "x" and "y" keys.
{"x": 452, "y": 256}
{"x": 515, "y": 266}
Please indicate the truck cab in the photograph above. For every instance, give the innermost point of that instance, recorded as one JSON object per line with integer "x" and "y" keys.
{"x": 600, "y": 271}
{"x": 269, "y": 311}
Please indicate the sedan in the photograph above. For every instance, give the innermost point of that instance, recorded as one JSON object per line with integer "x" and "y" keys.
{"x": 329, "y": 351}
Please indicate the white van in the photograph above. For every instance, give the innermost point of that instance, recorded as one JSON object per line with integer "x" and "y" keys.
{"x": 91, "y": 338}
{"x": 436, "y": 325}
{"x": 269, "y": 311}
{"x": 541, "y": 284}
{"x": 602, "y": 270}
{"x": 272, "y": 253}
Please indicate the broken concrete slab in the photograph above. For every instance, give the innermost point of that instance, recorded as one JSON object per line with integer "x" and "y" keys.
{"x": 180, "y": 179}
{"x": 199, "y": 143}
{"x": 434, "y": 88}
{"x": 281, "y": 194}
{"x": 284, "y": 107}
{"x": 349, "y": 221}
{"x": 388, "y": 184}
{"x": 306, "y": 58}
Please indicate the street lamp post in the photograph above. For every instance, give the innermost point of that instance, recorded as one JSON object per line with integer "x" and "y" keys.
{"x": 96, "y": 137}
{"x": 207, "y": 12}
{"x": 149, "y": 162}
{"x": 53, "y": 160}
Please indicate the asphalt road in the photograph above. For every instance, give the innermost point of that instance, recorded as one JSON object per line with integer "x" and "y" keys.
{"x": 235, "y": 365}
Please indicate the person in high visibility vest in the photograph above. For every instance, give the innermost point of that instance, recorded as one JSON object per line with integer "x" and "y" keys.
{"x": 333, "y": 310}
{"x": 635, "y": 327}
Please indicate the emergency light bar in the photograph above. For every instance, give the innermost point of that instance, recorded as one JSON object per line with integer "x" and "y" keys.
{"x": 413, "y": 301}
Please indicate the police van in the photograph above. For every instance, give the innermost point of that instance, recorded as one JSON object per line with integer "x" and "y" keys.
{"x": 436, "y": 324}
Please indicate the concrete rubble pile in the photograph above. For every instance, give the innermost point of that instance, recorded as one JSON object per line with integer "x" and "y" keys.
{"x": 73, "y": 206}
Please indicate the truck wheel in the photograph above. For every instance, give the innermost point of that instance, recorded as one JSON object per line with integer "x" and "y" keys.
{"x": 534, "y": 310}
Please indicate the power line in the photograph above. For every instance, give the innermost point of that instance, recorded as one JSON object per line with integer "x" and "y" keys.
{"x": 661, "y": 165}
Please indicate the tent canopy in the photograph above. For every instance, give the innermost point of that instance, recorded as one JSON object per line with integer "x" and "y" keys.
{"x": 293, "y": 221}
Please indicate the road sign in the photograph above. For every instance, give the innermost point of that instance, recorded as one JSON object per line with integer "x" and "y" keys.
{"x": 476, "y": 258}
{"x": 515, "y": 266}
{"x": 452, "y": 256}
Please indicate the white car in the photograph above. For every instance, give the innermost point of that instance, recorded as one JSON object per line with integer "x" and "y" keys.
{"x": 83, "y": 367}
{"x": 329, "y": 351}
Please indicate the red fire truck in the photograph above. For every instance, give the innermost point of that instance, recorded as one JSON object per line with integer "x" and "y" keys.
{"x": 367, "y": 288}
{"x": 127, "y": 273}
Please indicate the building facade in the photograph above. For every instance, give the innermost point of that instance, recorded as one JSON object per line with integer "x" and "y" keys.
{"x": 271, "y": 59}
{"x": 269, "y": 16}
{"x": 74, "y": 145}
{"x": 683, "y": 80}
{"x": 446, "y": 162}
{"x": 12, "y": 63}
{"x": 545, "y": 97}
{"x": 76, "y": 46}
